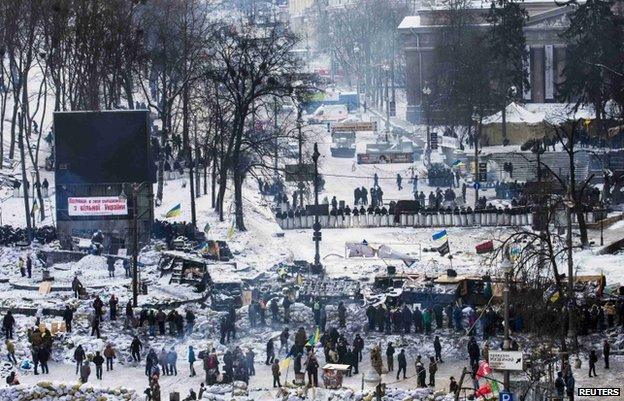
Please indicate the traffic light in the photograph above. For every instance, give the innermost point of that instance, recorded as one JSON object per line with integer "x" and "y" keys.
{"x": 433, "y": 141}
{"x": 482, "y": 172}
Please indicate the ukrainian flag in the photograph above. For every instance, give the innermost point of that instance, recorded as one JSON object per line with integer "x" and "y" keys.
{"x": 314, "y": 338}
{"x": 175, "y": 211}
{"x": 439, "y": 235}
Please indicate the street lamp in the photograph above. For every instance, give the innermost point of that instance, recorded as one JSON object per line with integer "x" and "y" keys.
{"x": 570, "y": 205}
{"x": 356, "y": 51}
{"x": 507, "y": 267}
{"x": 427, "y": 92}
{"x": 602, "y": 217}
{"x": 317, "y": 268}
{"x": 386, "y": 70}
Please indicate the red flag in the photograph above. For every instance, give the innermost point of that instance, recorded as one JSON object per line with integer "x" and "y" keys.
{"x": 484, "y": 390}
{"x": 484, "y": 369}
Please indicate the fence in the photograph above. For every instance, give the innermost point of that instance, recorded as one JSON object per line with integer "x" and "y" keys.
{"x": 479, "y": 218}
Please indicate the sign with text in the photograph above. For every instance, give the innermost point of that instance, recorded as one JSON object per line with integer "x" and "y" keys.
{"x": 355, "y": 126}
{"x": 97, "y": 206}
{"x": 506, "y": 360}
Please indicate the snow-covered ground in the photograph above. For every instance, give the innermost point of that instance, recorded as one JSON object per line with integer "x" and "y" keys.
{"x": 256, "y": 251}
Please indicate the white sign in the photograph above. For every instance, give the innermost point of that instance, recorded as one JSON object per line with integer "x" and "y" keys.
{"x": 448, "y": 142}
{"x": 506, "y": 360}
{"x": 97, "y": 206}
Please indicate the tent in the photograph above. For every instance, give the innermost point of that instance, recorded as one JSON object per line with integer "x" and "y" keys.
{"x": 521, "y": 123}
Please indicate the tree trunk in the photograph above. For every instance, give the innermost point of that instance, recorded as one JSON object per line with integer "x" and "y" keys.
{"x": 13, "y": 125}
{"x": 214, "y": 180}
{"x": 222, "y": 188}
{"x": 580, "y": 217}
{"x": 24, "y": 178}
{"x": 238, "y": 201}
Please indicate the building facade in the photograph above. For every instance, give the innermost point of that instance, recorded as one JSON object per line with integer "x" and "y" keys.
{"x": 546, "y": 48}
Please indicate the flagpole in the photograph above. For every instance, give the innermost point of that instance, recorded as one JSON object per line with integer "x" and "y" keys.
{"x": 448, "y": 243}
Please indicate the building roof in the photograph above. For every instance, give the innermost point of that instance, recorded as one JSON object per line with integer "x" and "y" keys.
{"x": 514, "y": 113}
{"x": 411, "y": 21}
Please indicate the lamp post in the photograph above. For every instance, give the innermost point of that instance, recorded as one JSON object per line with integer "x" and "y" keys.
{"x": 426, "y": 93}
{"x": 386, "y": 70}
{"x": 356, "y": 51}
{"x": 317, "y": 267}
{"x": 506, "y": 267}
{"x": 570, "y": 204}
{"x": 602, "y": 217}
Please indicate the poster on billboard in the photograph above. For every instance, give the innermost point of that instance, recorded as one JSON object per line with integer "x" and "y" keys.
{"x": 97, "y": 206}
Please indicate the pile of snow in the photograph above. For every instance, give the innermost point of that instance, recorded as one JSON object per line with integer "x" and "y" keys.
{"x": 65, "y": 392}
{"x": 347, "y": 394}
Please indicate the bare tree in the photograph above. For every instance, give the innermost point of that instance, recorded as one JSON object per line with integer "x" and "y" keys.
{"x": 251, "y": 65}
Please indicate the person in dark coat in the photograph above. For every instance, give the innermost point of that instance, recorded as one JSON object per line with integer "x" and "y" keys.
{"x": 135, "y": 348}
{"x": 98, "y": 361}
{"x": 399, "y": 181}
{"x": 358, "y": 345}
{"x": 342, "y": 314}
{"x": 606, "y": 351}
{"x": 312, "y": 366}
{"x": 29, "y": 266}
{"x": 8, "y": 322}
{"x": 44, "y": 356}
{"x": 112, "y": 304}
{"x": 402, "y": 361}
{"x": 79, "y": 357}
{"x": 433, "y": 368}
{"x": 390, "y": 357}
{"x": 95, "y": 326}
{"x": 270, "y": 352}
{"x": 473, "y": 352}
{"x": 438, "y": 349}
{"x": 593, "y": 358}
{"x": 68, "y": 317}
{"x": 421, "y": 373}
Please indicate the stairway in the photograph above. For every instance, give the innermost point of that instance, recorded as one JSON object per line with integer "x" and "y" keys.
{"x": 176, "y": 274}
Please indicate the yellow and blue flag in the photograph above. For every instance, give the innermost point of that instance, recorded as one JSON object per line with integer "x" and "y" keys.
{"x": 439, "y": 235}
{"x": 175, "y": 211}
{"x": 314, "y": 338}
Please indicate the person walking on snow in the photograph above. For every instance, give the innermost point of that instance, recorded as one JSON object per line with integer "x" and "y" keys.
{"x": 402, "y": 361}
{"x": 109, "y": 354}
{"x": 399, "y": 181}
{"x": 593, "y": 358}
{"x": 98, "y": 360}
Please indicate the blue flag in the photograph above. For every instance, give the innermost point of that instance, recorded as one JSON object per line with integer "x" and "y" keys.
{"x": 439, "y": 235}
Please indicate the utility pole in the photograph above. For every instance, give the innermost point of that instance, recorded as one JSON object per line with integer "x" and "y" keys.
{"x": 387, "y": 98}
{"x": 318, "y": 268}
{"x": 300, "y": 185}
{"x": 275, "y": 135}
{"x": 507, "y": 268}
{"x": 477, "y": 136}
{"x": 135, "y": 244}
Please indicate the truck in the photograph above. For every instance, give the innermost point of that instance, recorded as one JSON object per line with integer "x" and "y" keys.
{"x": 329, "y": 113}
{"x": 343, "y": 144}
{"x": 384, "y": 152}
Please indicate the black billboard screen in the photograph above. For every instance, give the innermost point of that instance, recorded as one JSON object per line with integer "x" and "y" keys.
{"x": 97, "y": 147}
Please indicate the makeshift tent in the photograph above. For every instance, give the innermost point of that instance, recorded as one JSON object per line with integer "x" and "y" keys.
{"x": 521, "y": 124}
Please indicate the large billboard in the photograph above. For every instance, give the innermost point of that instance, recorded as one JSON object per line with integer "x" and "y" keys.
{"x": 102, "y": 147}
{"x": 97, "y": 206}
